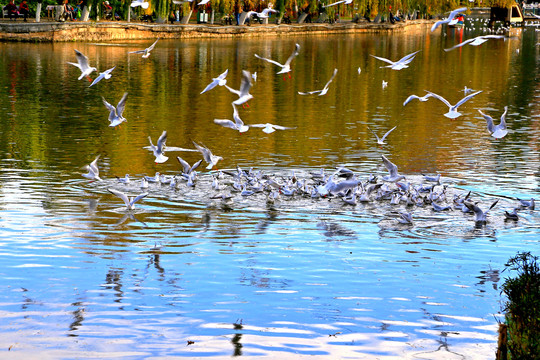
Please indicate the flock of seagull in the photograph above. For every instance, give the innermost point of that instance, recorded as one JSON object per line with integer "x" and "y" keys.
{"x": 341, "y": 184}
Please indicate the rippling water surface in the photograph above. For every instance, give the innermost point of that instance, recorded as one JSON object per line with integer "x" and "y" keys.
{"x": 186, "y": 276}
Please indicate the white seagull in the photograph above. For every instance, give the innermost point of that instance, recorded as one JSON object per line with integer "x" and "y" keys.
{"x": 265, "y": 14}
{"x": 104, "y": 75}
{"x": 116, "y": 114}
{"x": 285, "y": 68}
{"x": 452, "y": 109}
{"x": 346, "y": 2}
{"x": 129, "y": 201}
{"x": 141, "y": 3}
{"x": 324, "y": 90}
{"x": 243, "y": 94}
{"x": 220, "y": 80}
{"x": 210, "y": 158}
{"x": 380, "y": 141}
{"x": 145, "y": 52}
{"x": 93, "y": 171}
{"x": 270, "y": 128}
{"x": 82, "y": 64}
{"x": 447, "y": 20}
{"x": 392, "y": 171}
{"x": 160, "y": 148}
{"x": 479, "y": 40}
{"x": 400, "y": 64}
{"x": 421, "y": 98}
{"x": 497, "y": 131}
{"x": 238, "y": 124}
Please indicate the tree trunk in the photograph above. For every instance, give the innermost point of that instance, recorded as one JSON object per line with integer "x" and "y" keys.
{"x": 86, "y": 13}
{"x": 185, "y": 18}
{"x": 38, "y": 12}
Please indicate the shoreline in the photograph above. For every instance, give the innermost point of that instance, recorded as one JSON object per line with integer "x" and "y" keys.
{"x": 109, "y": 31}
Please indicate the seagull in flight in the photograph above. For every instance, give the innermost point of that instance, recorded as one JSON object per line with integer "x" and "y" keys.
{"x": 243, "y": 94}
{"x": 421, "y": 98}
{"x": 145, "y": 52}
{"x": 116, "y": 114}
{"x": 93, "y": 171}
{"x": 210, "y": 158}
{"x": 479, "y": 40}
{"x": 324, "y": 90}
{"x": 285, "y": 68}
{"x": 220, "y": 80}
{"x": 160, "y": 148}
{"x": 346, "y": 2}
{"x": 82, "y": 64}
{"x": 104, "y": 75}
{"x": 380, "y": 141}
{"x": 141, "y": 3}
{"x": 129, "y": 201}
{"x": 392, "y": 171}
{"x": 497, "y": 131}
{"x": 452, "y": 109}
{"x": 270, "y": 128}
{"x": 447, "y": 20}
{"x": 400, "y": 64}
{"x": 265, "y": 14}
{"x": 238, "y": 124}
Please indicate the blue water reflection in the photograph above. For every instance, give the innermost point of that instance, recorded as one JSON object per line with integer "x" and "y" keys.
{"x": 187, "y": 276}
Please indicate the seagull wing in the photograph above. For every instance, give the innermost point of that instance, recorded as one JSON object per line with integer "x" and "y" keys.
{"x": 98, "y": 79}
{"x": 388, "y": 132}
{"x": 137, "y": 52}
{"x": 408, "y": 58}
{"x": 137, "y": 198}
{"x": 502, "y": 125}
{"x": 93, "y": 166}
{"x": 310, "y": 92}
{"x": 184, "y": 164}
{"x": 331, "y": 79}
{"x": 112, "y": 109}
{"x": 210, "y": 86}
{"x": 122, "y": 196}
{"x": 383, "y": 59}
{"x": 467, "y": 98}
{"x": 293, "y": 55}
{"x": 391, "y": 167}
{"x": 440, "y": 98}
{"x": 225, "y": 123}
{"x": 489, "y": 121}
{"x": 461, "y": 44}
{"x": 377, "y": 136}
{"x": 336, "y": 3}
{"x": 151, "y": 47}
{"x": 121, "y": 105}
{"x": 161, "y": 141}
{"x": 409, "y": 99}
{"x": 269, "y": 60}
{"x": 82, "y": 60}
{"x": 245, "y": 84}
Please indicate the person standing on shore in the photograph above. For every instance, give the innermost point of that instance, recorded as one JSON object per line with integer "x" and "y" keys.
{"x": 24, "y": 9}
{"x": 237, "y": 11}
{"x": 12, "y": 10}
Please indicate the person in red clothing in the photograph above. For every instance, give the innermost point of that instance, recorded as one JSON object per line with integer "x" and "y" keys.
{"x": 23, "y": 9}
{"x": 12, "y": 10}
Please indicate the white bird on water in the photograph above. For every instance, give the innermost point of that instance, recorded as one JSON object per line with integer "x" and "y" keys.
{"x": 104, "y": 75}
{"x": 400, "y": 64}
{"x": 324, "y": 90}
{"x": 497, "y": 131}
{"x": 447, "y": 20}
{"x": 116, "y": 114}
{"x": 452, "y": 109}
{"x": 145, "y": 52}
{"x": 286, "y": 67}
{"x": 93, "y": 171}
{"x": 238, "y": 124}
{"x": 243, "y": 94}
{"x": 82, "y": 64}
{"x": 129, "y": 201}
{"x": 220, "y": 80}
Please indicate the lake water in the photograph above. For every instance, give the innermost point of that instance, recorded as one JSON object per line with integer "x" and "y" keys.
{"x": 184, "y": 276}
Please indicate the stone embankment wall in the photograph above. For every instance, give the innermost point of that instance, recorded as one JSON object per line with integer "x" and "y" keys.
{"x": 108, "y": 31}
